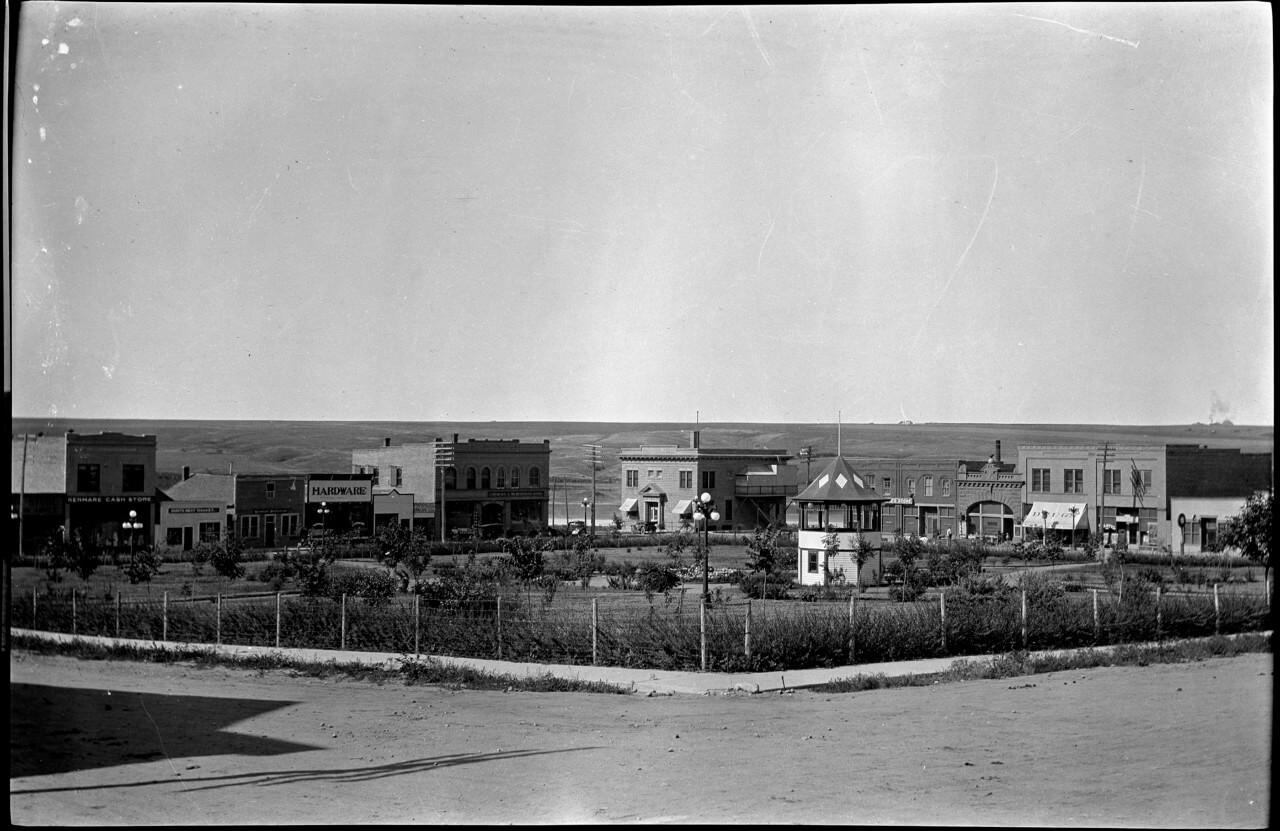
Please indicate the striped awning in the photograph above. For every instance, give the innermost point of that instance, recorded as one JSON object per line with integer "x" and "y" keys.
{"x": 628, "y": 506}
{"x": 682, "y": 507}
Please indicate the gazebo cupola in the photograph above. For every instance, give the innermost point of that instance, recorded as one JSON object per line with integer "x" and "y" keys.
{"x": 840, "y": 501}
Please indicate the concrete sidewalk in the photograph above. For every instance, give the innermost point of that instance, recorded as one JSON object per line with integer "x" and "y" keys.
{"x": 643, "y": 681}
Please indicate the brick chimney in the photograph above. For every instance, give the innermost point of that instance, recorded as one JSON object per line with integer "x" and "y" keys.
{"x": 695, "y": 440}
{"x": 997, "y": 451}
{"x": 186, "y": 473}
{"x": 386, "y": 442}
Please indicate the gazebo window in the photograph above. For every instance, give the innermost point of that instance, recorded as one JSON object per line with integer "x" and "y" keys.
{"x": 813, "y": 516}
{"x": 838, "y": 517}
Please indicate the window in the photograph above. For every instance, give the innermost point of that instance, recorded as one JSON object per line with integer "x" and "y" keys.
{"x": 249, "y": 526}
{"x": 728, "y": 510}
{"x": 485, "y": 478}
{"x": 633, "y": 478}
{"x": 650, "y": 473}
{"x": 1073, "y": 481}
{"x": 535, "y": 477}
{"x": 813, "y": 562}
{"x": 515, "y": 477}
{"x": 1210, "y": 540}
{"x": 708, "y": 479}
{"x": 88, "y": 478}
{"x": 289, "y": 525}
{"x": 1146, "y": 480}
{"x": 399, "y": 476}
{"x": 888, "y": 485}
{"x": 210, "y": 531}
{"x": 659, "y": 473}
{"x": 928, "y": 486}
{"x": 1111, "y": 481}
{"x": 375, "y": 476}
{"x": 813, "y": 517}
{"x": 838, "y": 516}
{"x": 471, "y": 478}
{"x": 271, "y": 490}
{"x": 871, "y": 481}
{"x": 686, "y": 479}
{"x": 451, "y": 478}
{"x": 173, "y": 537}
{"x": 1040, "y": 480}
{"x": 502, "y": 477}
{"x": 135, "y": 477}
{"x": 946, "y": 487}
{"x": 911, "y": 487}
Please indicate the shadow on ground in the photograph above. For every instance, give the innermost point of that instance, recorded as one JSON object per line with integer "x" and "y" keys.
{"x": 59, "y": 730}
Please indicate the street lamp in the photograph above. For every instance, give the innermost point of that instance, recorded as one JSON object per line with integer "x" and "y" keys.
{"x": 1045, "y": 530}
{"x": 324, "y": 523}
{"x": 1074, "y": 510}
{"x": 133, "y": 525}
{"x": 586, "y": 503}
{"x": 704, "y": 509}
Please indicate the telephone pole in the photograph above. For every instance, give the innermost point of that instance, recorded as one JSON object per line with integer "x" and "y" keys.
{"x": 1102, "y": 492}
{"x": 444, "y": 461}
{"x": 593, "y": 458}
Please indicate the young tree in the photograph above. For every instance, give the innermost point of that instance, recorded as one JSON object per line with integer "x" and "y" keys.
{"x": 862, "y": 552}
{"x": 763, "y": 553}
{"x": 405, "y": 553}
{"x": 226, "y": 558}
{"x": 142, "y": 566}
{"x": 524, "y": 556}
{"x": 1251, "y": 530}
{"x": 831, "y": 547}
{"x": 908, "y": 550}
{"x": 584, "y": 560}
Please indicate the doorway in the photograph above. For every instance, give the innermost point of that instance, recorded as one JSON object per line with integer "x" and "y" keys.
{"x": 269, "y": 530}
{"x": 188, "y": 538}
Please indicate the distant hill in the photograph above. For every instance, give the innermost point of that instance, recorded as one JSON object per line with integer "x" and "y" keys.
{"x": 325, "y": 446}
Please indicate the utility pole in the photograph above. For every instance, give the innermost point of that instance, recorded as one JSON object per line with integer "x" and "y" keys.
{"x": 444, "y": 461}
{"x": 806, "y": 453}
{"x": 1102, "y": 492}
{"x": 593, "y": 458}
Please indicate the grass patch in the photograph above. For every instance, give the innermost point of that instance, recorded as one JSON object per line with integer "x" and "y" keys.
{"x": 411, "y": 671}
{"x": 1014, "y": 664}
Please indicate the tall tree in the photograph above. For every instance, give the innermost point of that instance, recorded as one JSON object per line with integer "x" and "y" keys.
{"x": 762, "y": 555}
{"x": 1251, "y": 530}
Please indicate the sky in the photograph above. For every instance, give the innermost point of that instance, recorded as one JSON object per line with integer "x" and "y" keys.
{"x": 1039, "y": 213}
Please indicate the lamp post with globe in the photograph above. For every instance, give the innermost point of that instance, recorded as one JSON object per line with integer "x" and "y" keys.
{"x": 704, "y": 509}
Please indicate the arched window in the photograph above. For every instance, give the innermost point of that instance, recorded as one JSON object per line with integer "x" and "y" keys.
{"x": 535, "y": 478}
{"x": 515, "y": 477}
{"x": 471, "y": 478}
{"x": 928, "y": 486}
{"x": 485, "y": 478}
{"x": 502, "y": 477}
{"x": 451, "y": 478}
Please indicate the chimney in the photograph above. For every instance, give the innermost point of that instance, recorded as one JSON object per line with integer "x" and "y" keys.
{"x": 997, "y": 451}
{"x": 455, "y": 438}
{"x": 386, "y": 442}
{"x": 695, "y": 440}
{"x": 186, "y": 473}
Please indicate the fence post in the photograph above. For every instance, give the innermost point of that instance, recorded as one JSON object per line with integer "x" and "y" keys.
{"x": 342, "y": 644}
{"x": 277, "y": 620}
{"x": 117, "y": 614}
{"x": 942, "y": 606}
{"x": 746, "y": 633}
{"x": 595, "y": 627}
{"x": 1095, "y": 615}
{"x": 702, "y": 626}
{"x": 73, "y": 611}
{"x": 1217, "y": 612}
{"x": 218, "y": 619}
{"x": 499, "y": 627}
{"x": 1024, "y": 619}
{"x": 164, "y": 618}
{"x": 416, "y": 617}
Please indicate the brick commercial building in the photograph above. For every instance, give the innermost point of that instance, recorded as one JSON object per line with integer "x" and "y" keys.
{"x": 110, "y": 486}
{"x": 497, "y": 485}
{"x": 269, "y": 508}
{"x": 660, "y": 483}
{"x": 1136, "y": 493}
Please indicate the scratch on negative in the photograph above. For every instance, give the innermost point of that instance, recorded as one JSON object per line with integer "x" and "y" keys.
{"x": 760, "y": 257}
{"x": 995, "y": 179}
{"x": 1137, "y": 206}
{"x": 867, "y": 75}
{"x": 756, "y": 37}
{"x": 1133, "y": 43}
{"x": 265, "y": 190}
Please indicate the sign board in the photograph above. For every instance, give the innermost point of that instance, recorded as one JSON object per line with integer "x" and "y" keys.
{"x": 900, "y": 500}
{"x": 339, "y": 490}
{"x": 193, "y": 510}
{"x": 1182, "y": 520}
{"x": 121, "y": 500}
{"x": 517, "y": 494}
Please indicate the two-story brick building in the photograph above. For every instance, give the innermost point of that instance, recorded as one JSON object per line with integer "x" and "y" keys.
{"x": 660, "y": 483}
{"x": 110, "y": 486}
{"x": 498, "y": 485}
{"x": 269, "y": 508}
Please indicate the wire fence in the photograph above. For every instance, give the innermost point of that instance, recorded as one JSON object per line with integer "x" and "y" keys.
{"x": 672, "y": 633}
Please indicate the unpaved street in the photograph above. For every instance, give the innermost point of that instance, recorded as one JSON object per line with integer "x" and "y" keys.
{"x": 96, "y": 742}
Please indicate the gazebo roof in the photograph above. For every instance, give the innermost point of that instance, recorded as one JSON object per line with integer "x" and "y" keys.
{"x": 839, "y": 482}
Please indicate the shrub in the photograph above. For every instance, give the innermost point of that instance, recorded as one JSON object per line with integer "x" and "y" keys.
{"x": 907, "y": 592}
{"x": 372, "y": 585}
{"x": 772, "y": 588}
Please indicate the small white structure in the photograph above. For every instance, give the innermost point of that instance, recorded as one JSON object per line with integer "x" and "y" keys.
{"x": 839, "y": 501}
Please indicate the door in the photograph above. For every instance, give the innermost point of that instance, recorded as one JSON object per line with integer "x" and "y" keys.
{"x": 269, "y": 529}
{"x": 188, "y": 538}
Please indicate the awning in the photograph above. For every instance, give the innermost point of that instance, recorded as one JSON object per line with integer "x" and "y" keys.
{"x": 1059, "y": 515}
{"x": 682, "y": 507}
{"x": 628, "y": 507}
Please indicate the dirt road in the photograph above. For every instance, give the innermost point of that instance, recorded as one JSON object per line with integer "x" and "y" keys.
{"x": 96, "y": 742}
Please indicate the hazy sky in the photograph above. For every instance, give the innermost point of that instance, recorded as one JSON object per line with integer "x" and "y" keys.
{"x": 1005, "y": 213}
